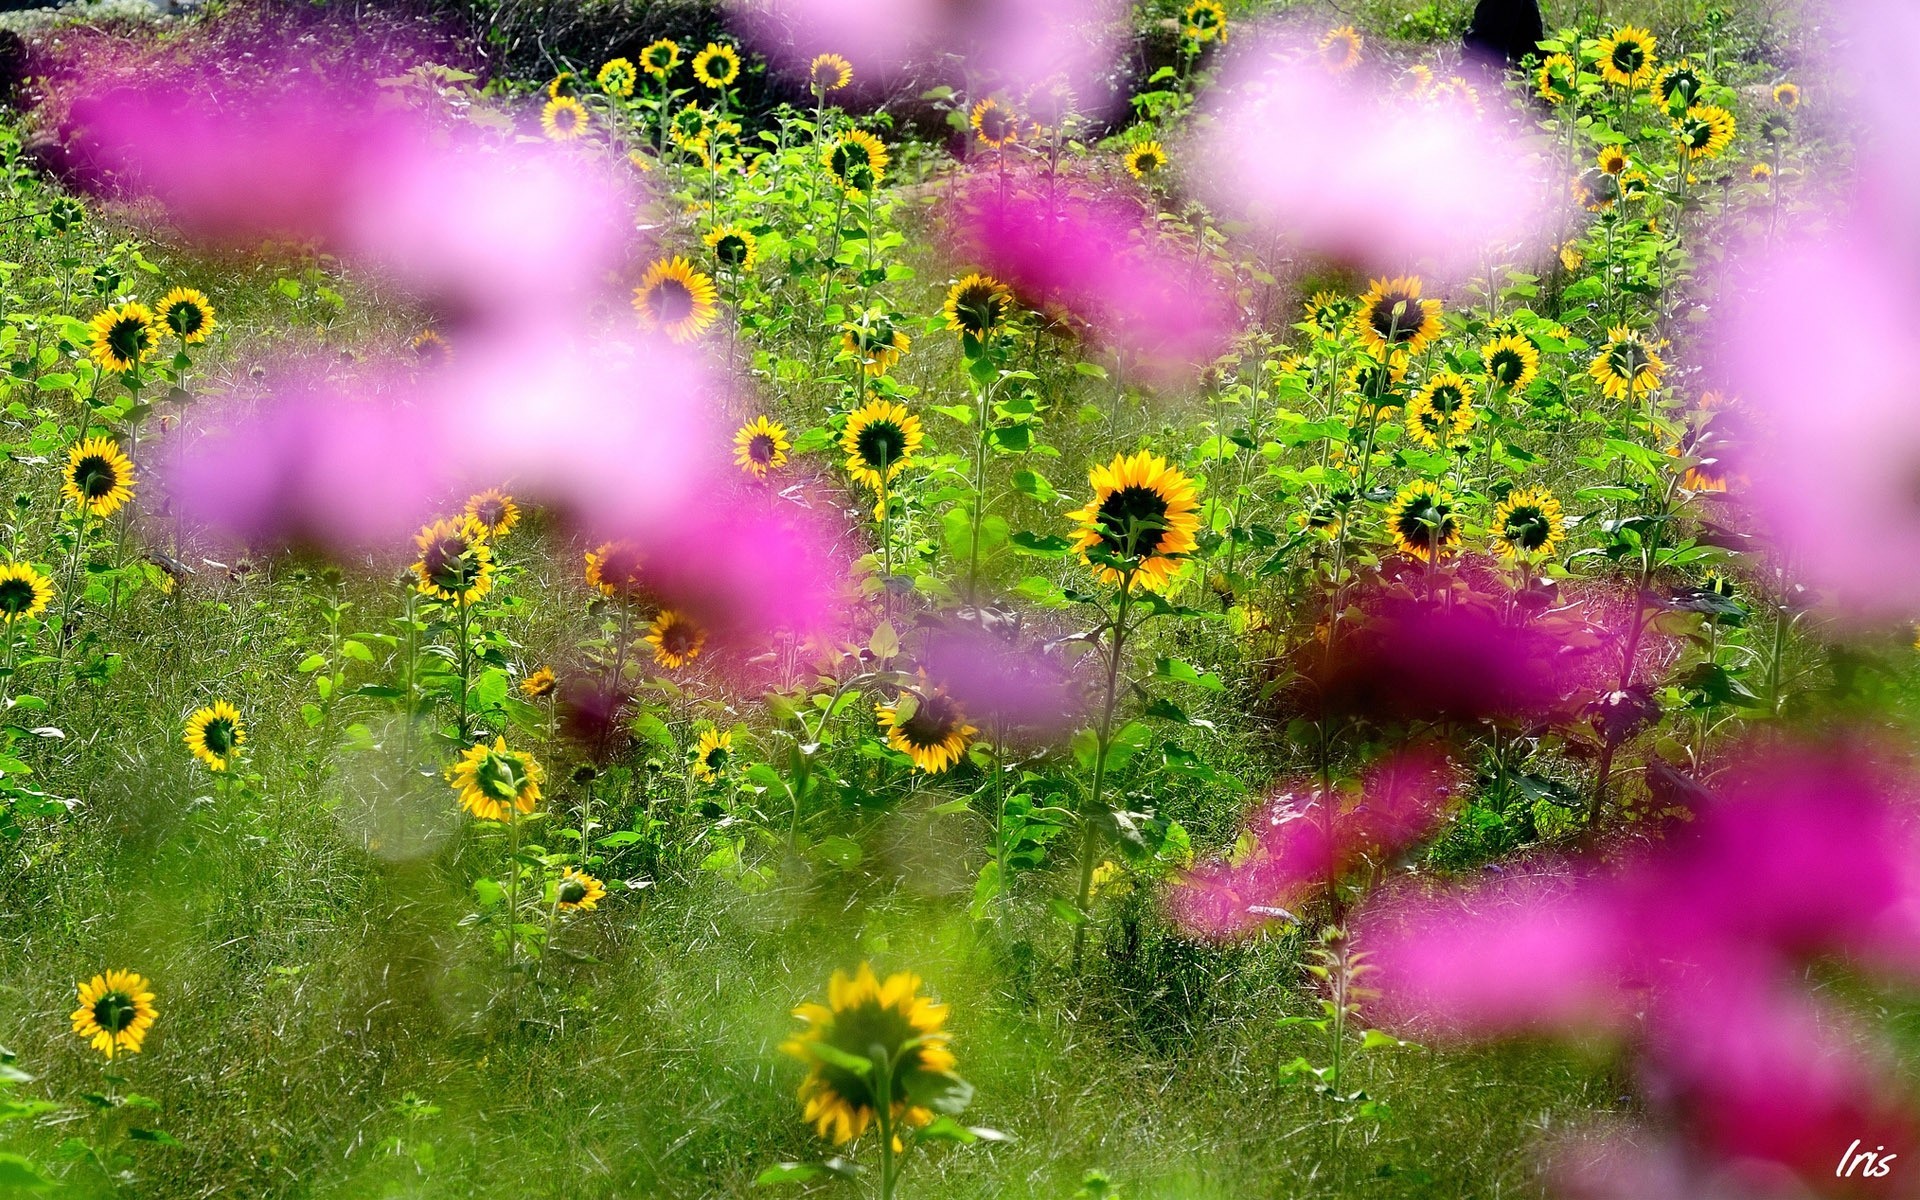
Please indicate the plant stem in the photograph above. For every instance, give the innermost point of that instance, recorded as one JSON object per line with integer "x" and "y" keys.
{"x": 1089, "y": 831}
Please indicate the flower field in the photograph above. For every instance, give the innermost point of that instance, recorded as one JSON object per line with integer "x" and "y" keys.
{"x": 1083, "y": 599}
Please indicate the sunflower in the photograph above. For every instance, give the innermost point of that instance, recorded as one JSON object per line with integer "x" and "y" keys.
{"x": 931, "y": 730}
{"x": 1328, "y": 311}
{"x": 1340, "y": 48}
{"x": 563, "y": 119}
{"x": 676, "y": 299}
{"x": 829, "y": 73}
{"x": 1627, "y": 57}
{"x": 538, "y": 685}
{"x": 1678, "y": 85}
{"x": 689, "y": 126}
{"x": 116, "y": 1011}
{"x": 1204, "y": 21}
{"x": 1528, "y": 524}
{"x": 1442, "y": 411}
{"x": 1511, "y": 362}
{"x": 1775, "y": 128}
{"x": 880, "y": 441}
{"x": 615, "y": 568}
{"x": 494, "y": 782}
{"x": 734, "y": 246}
{"x": 456, "y": 564}
{"x": 577, "y": 891}
{"x": 876, "y": 341}
{"x": 708, "y": 74}
{"x": 1142, "y": 510}
{"x": 978, "y": 305}
{"x": 1374, "y": 382}
{"x": 1787, "y": 96}
{"x": 1628, "y": 365}
{"x": 1557, "y": 79}
{"x": 1595, "y": 190}
{"x": 566, "y": 83}
{"x": 660, "y": 58}
{"x": 24, "y": 592}
{"x": 123, "y": 336}
{"x": 1612, "y": 160}
{"x": 1762, "y": 171}
{"x": 862, "y": 1018}
{"x": 1391, "y": 313}
{"x": 760, "y": 447}
{"x": 215, "y": 735}
{"x": 617, "y": 77}
{"x": 187, "y": 314}
{"x": 98, "y": 479}
{"x": 494, "y": 511}
{"x": 711, "y": 754}
{"x": 1705, "y": 130}
{"x": 429, "y": 347}
{"x": 1146, "y": 160}
{"x": 675, "y": 639}
{"x": 994, "y": 123}
{"x": 1424, "y": 521}
{"x": 857, "y": 160}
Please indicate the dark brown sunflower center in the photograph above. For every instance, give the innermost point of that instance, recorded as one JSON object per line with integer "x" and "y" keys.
{"x": 16, "y": 596}
{"x": 852, "y": 163}
{"x": 829, "y": 75}
{"x": 186, "y": 318}
{"x": 1528, "y": 528}
{"x": 716, "y": 758}
{"x": 671, "y": 300}
{"x": 1133, "y": 521}
{"x": 1627, "y": 359}
{"x": 491, "y": 512}
{"x": 95, "y": 477}
{"x": 1506, "y": 366}
{"x": 566, "y": 118}
{"x": 129, "y": 338}
{"x": 858, "y": 1031}
{"x": 1628, "y": 57}
{"x": 114, "y": 1011}
{"x": 678, "y": 638}
{"x": 997, "y": 125}
{"x": 1682, "y": 84}
{"x": 881, "y": 444}
{"x": 659, "y": 59}
{"x": 931, "y": 724}
{"x": 760, "y": 450}
{"x": 1446, "y": 399}
{"x": 1147, "y": 161}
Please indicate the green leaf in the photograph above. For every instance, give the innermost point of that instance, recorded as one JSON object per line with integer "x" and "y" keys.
{"x": 18, "y": 1174}
{"x": 1184, "y": 672}
{"x": 1051, "y": 545}
{"x": 789, "y": 1172}
{"x": 833, "y": 1056}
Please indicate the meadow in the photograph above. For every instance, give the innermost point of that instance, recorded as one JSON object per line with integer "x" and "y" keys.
{"x": 1099, "y": 602}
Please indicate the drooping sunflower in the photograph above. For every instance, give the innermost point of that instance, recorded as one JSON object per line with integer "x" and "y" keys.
{"x": 98, "y": 479}
{"x": 24, "y": 592}
{"x": 1340, "y": 48}
{"x": 1424, "y": 521}
{"x": 617, "y": 77}
{"x": 1441, "y": 411}
{"x": 978, "y": 305}
{"x": 1612, "y": 160}
{"x": 1142, "y": 509}
{"x": 215, "y": 735}
{"x": 615, "y": 569}
{"x": 660, "y": 58}
{"x": 1627, "y": 57}
{"x": 864, "y": 1017}
{"x": 1204, "y": 21}
{"x": 857, "y": 160}
{"x": 494, "y": 511}
{"x": 716, "y": 66}
{"x": 676, "y": 299}
{"x": 539, "y": 685}
{"x": 1705, "y": 130}
{"x": 430, "y": 348}
{"x": 875, "y": 341}
{"x": 577, "y": 891}
{"x": 1328, "y": 311}
{"x": 932, "y": 730}
{"x": 1146, "y": 160}
{"x": 1787, "y": 95}
{"x": 116, "y": 1011}
{"x": 880, "y": 441}
{"x": 1678, "y": 85}
{"x": 494, "y": 782}
{"x": 734, "y": 247}
{"x": 123, "y": 337}
{"x": 187, "y": 314}
{"x": 1628, "y": 365}
{"x": 1392, "y": 315}
{"x": 1557, "y": 79}
{"x": 994, "y": 123}
{"x": 828, "y": 73}
{"x": 456, "y": 564}
{"x": 676, "y": 639}
{"x": 711, "y": 754}
{"x": 564, "y": 119}
{"x": 1528, "y": 524}
{"x": 760, "y": 447}
{"x": 1511, "y": 361}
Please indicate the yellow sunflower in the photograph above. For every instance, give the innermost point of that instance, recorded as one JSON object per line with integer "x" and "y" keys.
{"x": 1392, "y": 314}
{"x": 215, "y": 735}
{"x": 676, "y": 640}
{"x": 875, "y": 341}
{"x": 994, "y": 123}
{"x": 1146, "y": 160}
{"x": 716, "y": 66}
{"x": 1340, "y": 48}
{"x": 1142, "y": 510}
{"x": 563, "y": 119}
{"x": 979, "y": 305}
{"x": 1705, "y": 130}
{"x": 1787, "y": 96}
{"x": 829, "y": 73}
{"x": 1511, "y": 362}
{"x": 1627, "y": 57}
{"x": 430, "y": 348}
{"x": 660, "y": 58}
{"x": 1628, "y": 365}
{"x": 734, "y": 247}
{"x": 1761, "y": 172}
{"x": 494, "y": 782}
{"x": 1557, "y": 79}
{"x": 24, "y": 592}
{"x": 1678, "y": 85}
{"x": 98, "y": 479}
{"x": 538, "y": 685}
{"x": 494, "y": 511}
{"x": 711, "y": 754}
{"x": 1424, "y": 521}
{"x": 617, "y": 77}
{"x": 123, "y": 336}
{"x": 1612, "y": 160}
{"x": 930, "y": 729}
{"x": 615, "y": 568}
{"x": 676, "y": 299}
{"x": 857, "y": 160}
{"x": 880, "y": 441}
{"x": 1528, "y": 524}
{"x": 566, "y": 83}
{"x": 760, "y": 447}
{"x": 187, "y": 314}
{"x": 577, "y": 891}
{"x": 1442, "y": 411}
{"x": 864, "y": 1017}
{"x": 455, "y": 564}
{"x": 1595, "y": 190}
{"x": 1205, "y": 21}
{"x": 116, "y": 1011}
{"x": 1328, "y": 311}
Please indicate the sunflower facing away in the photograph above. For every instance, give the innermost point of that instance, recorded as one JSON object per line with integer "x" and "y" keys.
{"x": 187, "y": 314}
{"x": 979, "y": 305}
{"x": 1340, "y": 48}
{"x": 1142, "y": 509}
{"x": 1328, "y": 311}
{"x": 716, "y": 66}
{"x": 538, "y": 685}
{"x": 430, "y": 348}
{"x": 760, "y": 447}
{"x": 1511, "y": 362}
{"x": 494, "y": 782}
{"x": 675, "y": 639}
{"x": 881, "y": 439}
{"x": 1441, "y": 412}
{"x": 1627, "y": 57}
{"x": 711, "y": 754}
{"x": 1628, "y": 365}
{"x": 1557, "y": 79}
{"x": 215, "y": 735}
{"x": 857, "y": 160}
{"x": 1705, "y": 130}
{"x": 577, "y": 891}
{"x": 615, "y": 568}
{"x": 734, "y": 247}
{"x": 863, "y": 1017}
{"x": 1678, "y": 85}
{"x": 660, "y": 58}
{"x": 1595, "y": 190}
{"x": 676, "y": 299}
{"x": 1146, "y": 160}
{"x": 875, "y": 341}
{"x": 1392, "y": 314}
{"x": 24, "y": 592}
{"x": 930, "y": 729}
{"x": 563, "y": 119}
{"x": 123, "y": 337}
{"x": 494, "y": 511}
{"x": 1528, "y": 524}
{"x": 116, "y": 1011}
{"x": 98, "y": 479}
{"x": 617, "y": 77}
{"x": 1204, "y": 21}
{"x": 828, "y": 73}
{"x": 994, "y": 123}
{"x": 1424, "y": 521}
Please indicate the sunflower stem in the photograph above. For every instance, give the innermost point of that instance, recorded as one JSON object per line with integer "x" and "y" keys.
{"x": 1089, "y": 828}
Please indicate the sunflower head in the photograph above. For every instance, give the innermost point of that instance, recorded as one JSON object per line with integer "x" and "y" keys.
{"x": 734, "y": 247}
{"x": 875, "y": 341}
{"x": 1328, "y": 311}
{"x": 1204, "y": 21}
{"x": 24, "y": 592}
{"x": 1628, "y": 365}
{"x": 1787, "y": 95}
{"x": 716, "y": 66}
{"x": 538, "y": 685}
{"x": 1595, "y": 190}
{"x": 857, "y": 160}
{"x": 430, "y": 348}
{"x": 866, "y": 1018}
{"x": 828, "y": 73}
{"x": 214, "y": 734}
{"x": 566, "y": 83}
{"x": 676, "y": 639}
{"x": 676, "y": 299}
{"x": 616, "y": 569}
{"x": 563, "y": 119}
{"x": 123, "y": 337}
{"x": 1528, "y": 524}
{"x": 98, "y": 478}
{"x": 1424, "y": 521}
{"x": 1557, "y": 79}
{"x": 1442, "y": 411}
{"x": 978, "y": 306}
{"x": 660, "y": 58}
{"x": 494, "y": 783}
{"x": 712, "y": 754}
{"x": 1392, "y": 315}
{"x": 1511, "y": 361}
{"x": 1146, "y": 160}
{"x": 455, "y": 563}
{"x": 1627, "y": 57}
{"x": 880, "y": 441}
{"x": 116, "y": 1011}
{"x": 760, "y": 447}
{"x": 494, "y": 511}
{"x": 928, "y": 727}
{"x": 994, "y": 123}
{"x": 1761, "y": 171}
{"x": 617, "y": 77}
{"x": 1678, "y": 85}
{"x": 1612, "y": 160}
{"x": 1775, "y": 128}
{"x": 1705, "y": 130}
{"x": 1340, "y": 48}
{"x": 577, "y": 891}
{"x": 187, "y": 314}
{"x": 1140, "y": 523}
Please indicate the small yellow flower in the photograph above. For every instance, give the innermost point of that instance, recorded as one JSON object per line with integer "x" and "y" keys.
{"x": 716, "y": 66}
{"x": 563, "y": 119}
{"x": 577, "y": 891}
{"x": 538, "y": 685}
{"x": 760, "y": 447}
{"x": 1146, "y": 160}
{"x": 215, "y": 734}
{"x": 116, "y": 1011}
